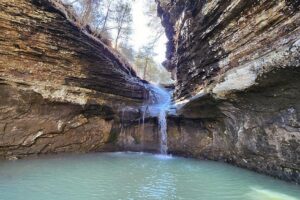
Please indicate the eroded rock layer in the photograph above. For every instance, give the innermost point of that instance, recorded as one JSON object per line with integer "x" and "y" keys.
{"x": 236, "y": 63}
{"x": 226, "y": 45}
{"x": 60, "y": 88}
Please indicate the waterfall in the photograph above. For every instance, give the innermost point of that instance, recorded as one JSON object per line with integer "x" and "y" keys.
{"x": 160, "y": 101}
{"x": 162, "y": 122}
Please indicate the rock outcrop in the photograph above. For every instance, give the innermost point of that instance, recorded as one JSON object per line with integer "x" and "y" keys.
{"x": 236, "y": 63}
{"x": 60, "y": 88}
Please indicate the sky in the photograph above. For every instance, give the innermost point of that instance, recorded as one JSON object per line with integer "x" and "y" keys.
{"x": 142, "y": 33}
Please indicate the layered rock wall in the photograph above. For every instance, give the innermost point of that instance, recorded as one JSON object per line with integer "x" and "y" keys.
{"x": 225, "y": 46}
{"x": 236, "y": 63}
{"x": 60, "y": 88}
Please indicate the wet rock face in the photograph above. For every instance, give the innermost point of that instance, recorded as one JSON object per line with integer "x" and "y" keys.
{"x": 139, "y": 136}
{"x": 237, "y": 67}
{"x": 60, "y": 88}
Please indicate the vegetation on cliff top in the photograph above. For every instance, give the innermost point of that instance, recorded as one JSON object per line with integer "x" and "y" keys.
{"x": 112, "y": 22}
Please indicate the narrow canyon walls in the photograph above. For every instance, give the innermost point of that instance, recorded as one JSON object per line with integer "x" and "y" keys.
{"x": 236, "y": 65}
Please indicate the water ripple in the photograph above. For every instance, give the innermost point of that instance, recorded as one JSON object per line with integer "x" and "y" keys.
{"x": 134, "y": 176}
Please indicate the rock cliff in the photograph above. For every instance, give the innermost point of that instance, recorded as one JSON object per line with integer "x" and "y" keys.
{"x": 236, "y": 63}
{"x": 60, "y": 88}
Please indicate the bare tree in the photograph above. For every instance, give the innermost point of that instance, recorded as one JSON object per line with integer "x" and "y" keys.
{"x": 144, "y": 58}
{"x": 107, "y": 14}
{"x": 122, "y": 19}
{"x": 154, "y": 22}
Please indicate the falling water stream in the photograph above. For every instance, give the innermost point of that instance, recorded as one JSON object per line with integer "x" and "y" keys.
{"x": 160, "y": 101}
{"x": 162, "y": 120}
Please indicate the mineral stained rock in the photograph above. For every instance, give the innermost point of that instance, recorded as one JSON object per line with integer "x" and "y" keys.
{"x": 60, "y": 88}
{"x": 236, "y": 63}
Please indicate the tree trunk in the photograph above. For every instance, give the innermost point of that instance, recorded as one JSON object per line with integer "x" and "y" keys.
{"x": 145, "y": 69}
{"x": 120, "y": 27}
{"x": 106, "y": 16}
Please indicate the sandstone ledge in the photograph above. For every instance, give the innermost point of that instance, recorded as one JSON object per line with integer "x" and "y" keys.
{"x": 60, "y": 88}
